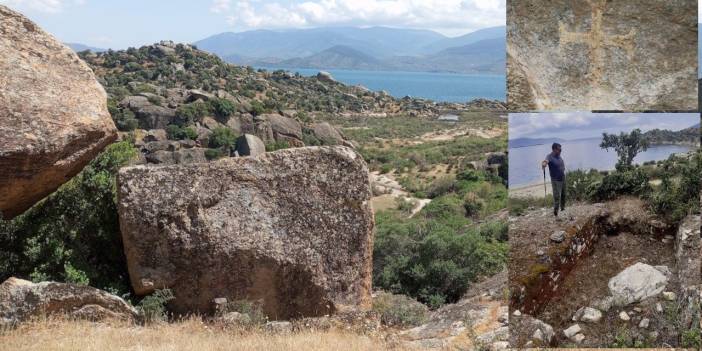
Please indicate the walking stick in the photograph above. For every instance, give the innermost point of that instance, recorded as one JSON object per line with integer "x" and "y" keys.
{"x": 545, "y": 193}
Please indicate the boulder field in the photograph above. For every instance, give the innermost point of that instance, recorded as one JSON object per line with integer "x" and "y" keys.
{"x": 292, "y": 228}
{"x": 53, "y": 114}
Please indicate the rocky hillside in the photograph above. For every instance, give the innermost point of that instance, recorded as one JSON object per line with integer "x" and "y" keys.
{"x": 688, "y": 136}
{"x": 175, "y": 92}
{"x": 173, "y": 76}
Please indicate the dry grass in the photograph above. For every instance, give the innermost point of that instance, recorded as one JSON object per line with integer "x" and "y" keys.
{"x": 192, "y": 334}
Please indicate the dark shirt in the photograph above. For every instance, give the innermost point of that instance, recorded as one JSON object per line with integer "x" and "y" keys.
{"x": 556, "y": 167}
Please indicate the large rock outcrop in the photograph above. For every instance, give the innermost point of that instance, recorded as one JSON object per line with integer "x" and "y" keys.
{"x": 21, "y": 300}
{"x": 53, "y": 114}
{"x": 601, "y": 55}
{"x": 292, "y": 228}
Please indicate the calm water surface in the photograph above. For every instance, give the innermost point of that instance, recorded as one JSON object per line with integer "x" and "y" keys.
{"x": 525, "y": 162}
{"x": 450, "y": 87}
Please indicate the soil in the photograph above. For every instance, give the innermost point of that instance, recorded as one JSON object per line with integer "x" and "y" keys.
{"x": 586, "y": 280}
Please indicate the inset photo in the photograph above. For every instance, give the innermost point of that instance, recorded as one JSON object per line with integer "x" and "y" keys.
{"x": 601, "y": 55}
{"x": 604, "y": 230}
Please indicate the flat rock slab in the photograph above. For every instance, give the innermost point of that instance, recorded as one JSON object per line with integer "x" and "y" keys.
{"x": 53, "y": 114}
{"x": 293, "y": 228}
{"x": 601, "y": 55}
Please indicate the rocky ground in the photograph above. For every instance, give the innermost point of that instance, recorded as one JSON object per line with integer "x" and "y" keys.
{"x": 606, "y": 275}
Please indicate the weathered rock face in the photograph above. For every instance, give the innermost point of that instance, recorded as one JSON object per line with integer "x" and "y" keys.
{"x": 53, "y": 114}
{"x": 250, "y": 145}
{"x": 601, "y": 55}
{"x": 293, "y": 228}
{"x": 22, "y": 299}
{"x": 325, "y": 132}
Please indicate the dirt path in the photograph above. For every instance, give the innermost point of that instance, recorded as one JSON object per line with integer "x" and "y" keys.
{"x": 392, "y": 190}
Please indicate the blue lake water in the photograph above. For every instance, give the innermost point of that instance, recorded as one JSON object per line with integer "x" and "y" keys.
{"x": 525, "y": 162}
{"x": 450, "y": 87}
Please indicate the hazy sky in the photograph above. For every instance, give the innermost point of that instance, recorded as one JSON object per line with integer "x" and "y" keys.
{"x": 121, "y": 23}
{"x": 586, "y": 125}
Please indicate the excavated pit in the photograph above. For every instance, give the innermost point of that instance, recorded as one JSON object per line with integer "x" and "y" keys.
{"x": 550, "y": 281}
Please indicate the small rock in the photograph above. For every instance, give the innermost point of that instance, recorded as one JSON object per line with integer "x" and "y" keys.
{"x": 644, "y": 323}
{"x": 624, "y": 316}
{"x": 653, "y": 335}
{"x": 579, "y": 338}
{"x": 540, "y": 252}
{"x": 637, "y": 309}
{"x": 669, "y": 295}
{"x": 659, "y": 307}
{"x": 572, "y": 331}
{"x": 538, "y": 335}
{"x": 516, "y": 313}
{"x": 558, "y": 236}
{"x": 591, "y": 315}
{"x": 604, "y": 304}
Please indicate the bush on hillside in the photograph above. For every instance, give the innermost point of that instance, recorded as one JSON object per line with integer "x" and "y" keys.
{"x": 223, "y": 138}
{"x": 222, "y": 108}
{"x": 632, "y": 181}
{"x": 72, "y": 235}
{"x": 190, "y": 113}
{"x": 435, "y": 258}
{"x": 579, "y": 183}
{"x": 399, "y": 310}
{"x": 175, "y": 132}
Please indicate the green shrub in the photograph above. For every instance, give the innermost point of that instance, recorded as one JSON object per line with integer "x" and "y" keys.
{"x": 124, "y": 118}
{"x": 222, "y": 108}
{"x": 399, "y": 310}
{"x": 212, "y": 154}
{"x": 190, "y": 113}
{"x": 72, "y": 235}
{"x": 405, "y": 205}
{"x": 153, "y": 307}
{"x": 434, "y": 257}
{"x": 222, "y": 137}
{"x": 175, "y": 132}
{"x": 257, "y": 108}
{"x": 277, "y": 145}
{"x": 472, "y": 204}
{"x": 579, "y": 183}
{"x": 629, "y": 182}
{"x": 441, "y": 186}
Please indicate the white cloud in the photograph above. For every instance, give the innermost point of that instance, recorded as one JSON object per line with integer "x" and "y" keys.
{"x": 45, "y": 6}
{"x": 451, "y": 17}
{"x": 220, "y": 6}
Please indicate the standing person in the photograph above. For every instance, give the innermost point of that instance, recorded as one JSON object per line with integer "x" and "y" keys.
{"x": 556, "y": 169}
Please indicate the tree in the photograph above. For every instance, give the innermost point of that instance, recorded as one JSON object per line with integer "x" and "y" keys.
{"x": 222, "y": 138}
{"x": 626, "y": 145}
{"x": 72, "y": 235}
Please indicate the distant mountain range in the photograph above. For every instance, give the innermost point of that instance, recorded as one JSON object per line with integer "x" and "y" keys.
{"x": 77, "y": 47}
{"x": 655, "y": 136}
{"x": 375, "y": 48}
